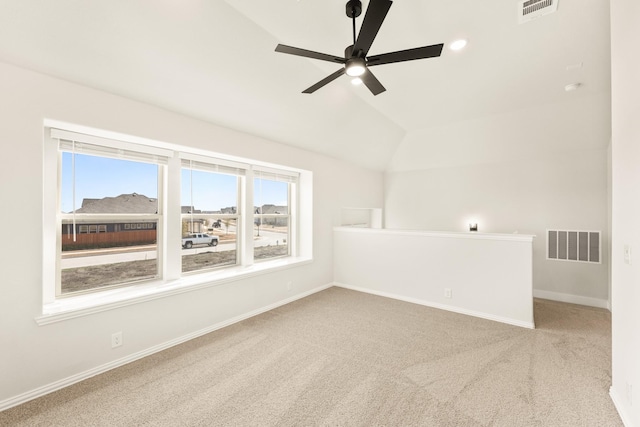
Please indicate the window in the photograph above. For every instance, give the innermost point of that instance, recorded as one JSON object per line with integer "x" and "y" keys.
{"x": 101, "y": 188}
{"x": 210, "y": 195}
{"x": 272, "y": 219}
{"x": 140, "y": 214}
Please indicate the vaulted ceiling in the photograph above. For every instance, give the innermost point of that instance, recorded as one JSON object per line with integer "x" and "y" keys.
{"x": 215, "y": 60}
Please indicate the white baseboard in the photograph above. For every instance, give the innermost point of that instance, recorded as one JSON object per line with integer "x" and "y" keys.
{"x": 57, "y": 385}
{"x": 573, "y": 299}
{"x": 514, "y": 322}
{"x": 616, "y": 402}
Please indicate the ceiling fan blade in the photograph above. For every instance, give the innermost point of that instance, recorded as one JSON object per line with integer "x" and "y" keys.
{"x": 376, "y": 12}
{"x": 406, "y": 55}
{"x": 309, "y": 54}
{"x": 324, "y": 81}
{"x": 372, "y": 82}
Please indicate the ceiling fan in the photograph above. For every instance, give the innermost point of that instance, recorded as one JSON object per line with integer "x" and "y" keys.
{"x": 355, "y": 60}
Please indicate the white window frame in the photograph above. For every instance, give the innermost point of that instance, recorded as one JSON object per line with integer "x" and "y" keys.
{"x": 171, "y": 280}
{"x": 292, "y": 197}
{"x": 215, "y": 165}
{"x": 77, "y": 143}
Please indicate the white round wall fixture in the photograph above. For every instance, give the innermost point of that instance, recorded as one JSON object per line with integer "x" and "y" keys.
{"x": 573, "y": 86}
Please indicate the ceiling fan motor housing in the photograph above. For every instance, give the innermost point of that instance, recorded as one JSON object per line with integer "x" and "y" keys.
{"x": 354, "y": 8}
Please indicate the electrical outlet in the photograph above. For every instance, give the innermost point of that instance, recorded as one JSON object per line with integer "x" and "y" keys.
{"x": 289, "y": 285}
{"x": 447, "y": 292}
{"x": 116, "y": 339}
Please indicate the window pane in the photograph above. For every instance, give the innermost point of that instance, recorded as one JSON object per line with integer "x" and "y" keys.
{"x": 115, "y": 256}
{"x": 271, "y": 223}
{"x": 208, "y": 241}
{"x": 271, "y": 237}
{"x": 270, "y": 197}
{"x": 105, "y": 185}
{"x": 208, "y": 192}
{"x": 114, "y": 251}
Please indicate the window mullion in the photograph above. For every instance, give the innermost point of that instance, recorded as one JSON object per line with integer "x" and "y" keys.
{"x": 248, "y": 217}
{"x": 172, "y": 221}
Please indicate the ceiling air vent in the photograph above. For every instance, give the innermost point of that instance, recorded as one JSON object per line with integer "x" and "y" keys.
{"x": 531, "y": 9}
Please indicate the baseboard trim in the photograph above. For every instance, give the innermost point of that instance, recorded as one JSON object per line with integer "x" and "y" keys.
{"x": 57, "y": 385}
{"x": 572, "y": 299}
{"x": 616, "y": 402}
{"x": 514, "y": 322}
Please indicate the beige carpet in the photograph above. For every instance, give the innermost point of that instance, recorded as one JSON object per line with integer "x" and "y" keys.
{"x": 343, "y": 358}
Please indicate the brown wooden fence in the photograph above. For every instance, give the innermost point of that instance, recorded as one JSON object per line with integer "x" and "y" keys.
{"x": 108, "y": 240}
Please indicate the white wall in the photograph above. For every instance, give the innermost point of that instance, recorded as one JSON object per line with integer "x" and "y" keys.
{"x": 625, "y": 24}
{"x": 35, "y": 356}
{"x": 419, "y": 266}
{"x": 525, "y": 171}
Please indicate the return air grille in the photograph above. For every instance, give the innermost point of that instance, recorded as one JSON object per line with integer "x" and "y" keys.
{"x": 581, "y": 246}
{"x": 532, "y": 9}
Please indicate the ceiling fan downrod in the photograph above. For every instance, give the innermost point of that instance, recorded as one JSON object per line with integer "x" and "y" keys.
{"x": 354, "y": 9}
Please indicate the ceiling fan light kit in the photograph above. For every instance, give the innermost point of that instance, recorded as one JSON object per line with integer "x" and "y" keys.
{"x": 355, "y": 62}
{"x": 355, "y": 67}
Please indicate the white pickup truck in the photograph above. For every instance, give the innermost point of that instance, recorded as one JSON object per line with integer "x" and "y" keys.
{"x": 199, "y": 239}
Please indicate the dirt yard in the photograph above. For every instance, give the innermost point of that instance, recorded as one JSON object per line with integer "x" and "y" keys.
{"x": 82, "y": 278}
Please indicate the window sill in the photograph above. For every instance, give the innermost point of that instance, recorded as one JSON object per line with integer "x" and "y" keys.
{"x": 84, "y": 305}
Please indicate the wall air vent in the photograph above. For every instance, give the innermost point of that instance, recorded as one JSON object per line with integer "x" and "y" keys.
{"x": 581, "y": 246}
{"x": 531, "y": 9}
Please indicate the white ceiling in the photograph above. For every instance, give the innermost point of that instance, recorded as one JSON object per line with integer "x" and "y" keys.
{"x": 215, "y": 60}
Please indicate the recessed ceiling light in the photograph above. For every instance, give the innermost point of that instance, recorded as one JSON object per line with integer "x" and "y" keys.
{"x": 458, "y": 44}
{"x": 573, "y": 86}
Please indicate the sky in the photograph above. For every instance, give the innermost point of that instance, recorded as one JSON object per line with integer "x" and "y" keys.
{"x": 98, "y": 177}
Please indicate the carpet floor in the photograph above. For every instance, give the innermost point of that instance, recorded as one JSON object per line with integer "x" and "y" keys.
{"x": 344, "y": 358}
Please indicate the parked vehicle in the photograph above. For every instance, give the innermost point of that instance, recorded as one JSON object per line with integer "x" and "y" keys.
{"x": 199, "y": 239}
